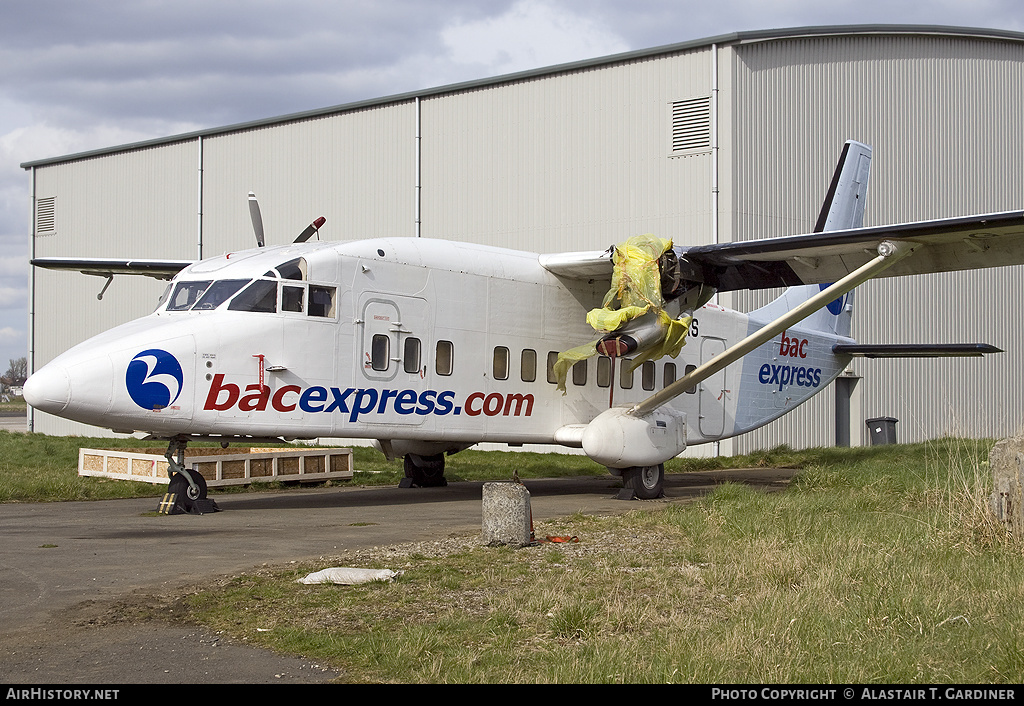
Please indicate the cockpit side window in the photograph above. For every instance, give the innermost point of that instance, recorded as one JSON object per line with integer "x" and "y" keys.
{"x": 186, "y": 294}
{"x": 260, "y": 296}
{"x": 293, "y": 269}
{"x": 218, "y": 293}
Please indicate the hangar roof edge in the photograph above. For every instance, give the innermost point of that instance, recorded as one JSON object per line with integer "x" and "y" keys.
{"x": 742, "y": 37}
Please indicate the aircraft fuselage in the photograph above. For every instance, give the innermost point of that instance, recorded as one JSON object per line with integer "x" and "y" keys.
{"x": 432, "y": 344}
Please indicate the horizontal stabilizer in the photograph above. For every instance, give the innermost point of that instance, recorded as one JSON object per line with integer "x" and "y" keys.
{"x": 911, "y": 350}
{"x": 160, "y": 269}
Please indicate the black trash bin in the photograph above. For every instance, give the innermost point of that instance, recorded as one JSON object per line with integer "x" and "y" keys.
{"x": 882, "y": 430}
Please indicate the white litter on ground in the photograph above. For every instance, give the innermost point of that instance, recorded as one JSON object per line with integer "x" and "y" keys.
{"x": 349, "y": 576}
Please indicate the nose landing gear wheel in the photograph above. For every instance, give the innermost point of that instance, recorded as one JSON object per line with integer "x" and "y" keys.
{"x": 188, "y": 499}
{"x": 186, "y": 491}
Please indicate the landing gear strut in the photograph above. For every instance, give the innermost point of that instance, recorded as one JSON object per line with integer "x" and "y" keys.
{"x": 186, "y": 492}
{"x": 424, "y": 471}
{"x": 643, "y": 482}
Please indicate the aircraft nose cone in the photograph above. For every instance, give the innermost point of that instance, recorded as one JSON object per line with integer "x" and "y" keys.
{"x": 49, "y": 389}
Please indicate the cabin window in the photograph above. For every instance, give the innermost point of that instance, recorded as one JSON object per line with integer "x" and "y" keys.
{"x": 686, "y": 371}
{"x": 218, "y": 293}
{"x": 579, "y": 373}
{"x": 380, "y": 352}
{"x": 552, "y": 359}
{"x": 292, "y": 298}
{"x": 411, "y": 356}
{"x": 444, "y": 359}
{"x": 321, "y": 301}
{"x": 499, "y": 365}
{"x": 260, "y": 296}
{"x": 670, "y": 374}
{"x": 186, "y": 294}
{"x": 528, "y": 365}
{"x": 626, "y": 374}
{"x": 647, "y": 371}
{"x": 604, "y": 371}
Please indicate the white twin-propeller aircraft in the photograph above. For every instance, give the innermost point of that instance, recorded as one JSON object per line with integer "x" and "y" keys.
{"x": 430, "y": 347}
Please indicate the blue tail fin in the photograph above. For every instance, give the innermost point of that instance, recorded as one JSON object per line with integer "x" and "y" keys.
{"x": 843, "y": 208}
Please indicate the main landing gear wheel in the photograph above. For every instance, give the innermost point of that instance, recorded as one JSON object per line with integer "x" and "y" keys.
{"x": 424, "y": 471}
{"x": 646, "y": 482}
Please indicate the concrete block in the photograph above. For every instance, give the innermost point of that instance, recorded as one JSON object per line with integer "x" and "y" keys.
{"x": 507, "y": 517}
{"x": 1007, "y": 500}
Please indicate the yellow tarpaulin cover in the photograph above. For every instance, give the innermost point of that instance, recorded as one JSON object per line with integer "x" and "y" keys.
{"x": 635, "y": 290}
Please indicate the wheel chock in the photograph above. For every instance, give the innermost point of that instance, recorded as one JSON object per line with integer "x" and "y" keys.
{"x": 203, "y": 506}
{"x": 169, "y": 505}
{"x": 626, "y": 494}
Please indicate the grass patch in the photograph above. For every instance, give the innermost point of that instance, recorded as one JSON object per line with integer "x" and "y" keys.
{"x": 871, "y": 568}
{"x": 14, "y": 405}
{"x": 41, "y": 468}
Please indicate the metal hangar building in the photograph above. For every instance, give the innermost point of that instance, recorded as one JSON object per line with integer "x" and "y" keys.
{"x": 727, "y": 138}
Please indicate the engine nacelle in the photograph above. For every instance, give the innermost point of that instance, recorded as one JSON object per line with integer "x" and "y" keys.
{"x": 617, "y": 439}
{"x": 639, "y": 334}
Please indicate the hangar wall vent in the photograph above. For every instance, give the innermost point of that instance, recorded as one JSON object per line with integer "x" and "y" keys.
{"x": 46, "y": 216}
{"x": 691, "y": 124}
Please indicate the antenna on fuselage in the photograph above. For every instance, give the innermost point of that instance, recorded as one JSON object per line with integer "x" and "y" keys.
{"x": 257, "y": 219}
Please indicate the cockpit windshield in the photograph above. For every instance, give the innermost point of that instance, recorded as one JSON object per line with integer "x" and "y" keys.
{"x": 282, "y": 288}
{"x": 186, "y": 294}
{"x": 218, "y": 293}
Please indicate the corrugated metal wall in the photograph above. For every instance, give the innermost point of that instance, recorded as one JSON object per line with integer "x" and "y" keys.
{"x": 571, "y": 161}
{"x": 942, "y": 114}
{"x": 357, "y": 169}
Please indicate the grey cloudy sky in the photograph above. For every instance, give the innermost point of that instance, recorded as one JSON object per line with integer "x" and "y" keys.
{"x": 79, "y": 75}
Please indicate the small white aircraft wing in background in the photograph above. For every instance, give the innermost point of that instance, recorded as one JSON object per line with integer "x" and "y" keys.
{"x": 104, "y": 267}
{"x": 159, "y": 269}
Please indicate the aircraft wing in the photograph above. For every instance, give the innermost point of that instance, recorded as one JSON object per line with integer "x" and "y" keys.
{"x": 946, "y": 245}
{"x": 596, "y": 264}
{"x": 160, "y": 269}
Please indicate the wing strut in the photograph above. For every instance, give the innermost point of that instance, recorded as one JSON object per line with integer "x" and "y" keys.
{"x": 889, "y": 253}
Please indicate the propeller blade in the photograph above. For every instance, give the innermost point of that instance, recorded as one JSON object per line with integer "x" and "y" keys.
{"x": 313, "y": 227}
{"x": 257, "y": 219}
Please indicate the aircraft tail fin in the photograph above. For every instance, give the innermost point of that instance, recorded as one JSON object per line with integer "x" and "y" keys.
{"x": 844, "y": 204}
{"x": 842, "y": 209}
